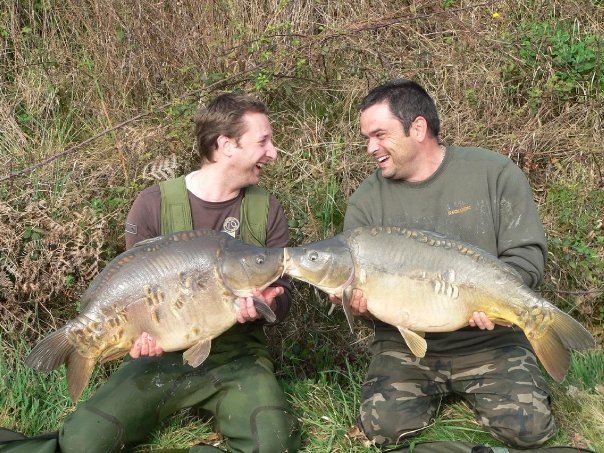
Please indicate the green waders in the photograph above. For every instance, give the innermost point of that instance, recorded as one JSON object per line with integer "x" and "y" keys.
{"x": 235, "y": 384}
{"x": 14, "y": 442}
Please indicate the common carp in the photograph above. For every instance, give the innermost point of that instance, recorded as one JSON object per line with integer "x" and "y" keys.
{"x": 181, "y": 288}
{"x": 420, "y": 281}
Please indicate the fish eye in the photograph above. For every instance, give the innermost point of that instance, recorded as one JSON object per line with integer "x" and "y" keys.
{"x": 313, "y": 256}
{"x": 260, "y": 259}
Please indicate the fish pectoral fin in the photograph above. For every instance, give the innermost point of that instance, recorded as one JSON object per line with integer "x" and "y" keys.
{"x": 346, "y": 297}
{"x": 113, "y": 355}
{"x": 501, "y": 321}
{"x": 79, "y": 369}
{"x": 415, "y": 341}
{"x": 197, "y": 353}
{"x": 266, "y": 311}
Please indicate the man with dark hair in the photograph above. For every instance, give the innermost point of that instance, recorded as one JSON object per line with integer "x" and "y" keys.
{"x": 472, "y": 195}
{"x": 236, "y": 384}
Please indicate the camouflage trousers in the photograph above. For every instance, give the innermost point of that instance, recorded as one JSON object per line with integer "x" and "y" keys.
{"x": 236, "y": 385}
{"x": 505, "y": 388}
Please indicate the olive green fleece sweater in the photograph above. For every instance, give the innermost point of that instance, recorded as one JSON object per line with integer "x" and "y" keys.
{"x": 476, "y": 196}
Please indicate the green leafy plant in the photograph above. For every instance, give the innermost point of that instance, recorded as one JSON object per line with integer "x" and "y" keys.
{"x": 561, "y": 59}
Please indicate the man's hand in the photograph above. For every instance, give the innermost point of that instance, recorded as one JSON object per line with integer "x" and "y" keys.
{"x": 358, "y": 303}
{"x": 479, "y": 319}
{"x": 247, "y": 311}
{"x": 145, "y": 346}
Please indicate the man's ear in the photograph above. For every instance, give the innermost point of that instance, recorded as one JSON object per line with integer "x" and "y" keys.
{"x": 419, "y": 128}
{"x": 224, "y": 145}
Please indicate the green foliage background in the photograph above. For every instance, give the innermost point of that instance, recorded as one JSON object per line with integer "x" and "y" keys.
{"x": 96, "y": 100}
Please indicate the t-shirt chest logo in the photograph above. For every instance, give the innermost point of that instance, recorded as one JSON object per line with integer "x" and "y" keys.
{"x": 230, "y": 226}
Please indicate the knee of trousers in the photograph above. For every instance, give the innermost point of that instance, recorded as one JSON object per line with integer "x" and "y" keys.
{"x": 527, "y": 437}
{"x": 275, "y": 429}
{"x": 89, "y": 431}
{"x": 390, "y": 428}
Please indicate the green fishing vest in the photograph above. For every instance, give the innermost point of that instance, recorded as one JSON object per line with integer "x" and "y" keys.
{"x": 175, "y": 212}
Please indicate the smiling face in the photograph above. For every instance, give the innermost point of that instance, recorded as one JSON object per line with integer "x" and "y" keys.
{"x": 253, "y": 149}
{"x": 396, "y": 153}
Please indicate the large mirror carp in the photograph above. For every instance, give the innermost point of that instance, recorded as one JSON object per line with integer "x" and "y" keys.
{"x": 420, "y": 282}
{"x": 181, "y": 288}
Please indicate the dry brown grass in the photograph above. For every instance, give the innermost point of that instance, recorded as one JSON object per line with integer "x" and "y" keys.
{"x": 78, "y": 69}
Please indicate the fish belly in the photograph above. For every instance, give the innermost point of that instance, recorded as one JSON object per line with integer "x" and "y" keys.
{"x": 179, "y": 323}
{"x": 416, "y": 305}
{"x": 176, "y": 322}
{"x": 178, "y": 334}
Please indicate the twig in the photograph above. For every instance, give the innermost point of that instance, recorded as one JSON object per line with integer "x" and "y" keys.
{"x": 560, "y": 291}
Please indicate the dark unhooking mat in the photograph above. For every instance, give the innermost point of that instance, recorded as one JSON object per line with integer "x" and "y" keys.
{"x": 464, "y": 447}
{"x": 14, "y": 442}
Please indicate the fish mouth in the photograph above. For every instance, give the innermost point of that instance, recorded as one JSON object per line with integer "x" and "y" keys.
{"x": 290, "y": 270}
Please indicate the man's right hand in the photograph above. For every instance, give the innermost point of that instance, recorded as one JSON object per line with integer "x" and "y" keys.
{"x": 358, "y": 303}
{"x": 145, "y": 346}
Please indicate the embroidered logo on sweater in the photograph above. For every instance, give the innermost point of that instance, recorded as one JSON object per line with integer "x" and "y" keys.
{"x": 459, "y": 210}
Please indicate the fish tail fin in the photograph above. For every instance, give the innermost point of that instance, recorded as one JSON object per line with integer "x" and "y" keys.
{"x": 54, "y": 350}
{"x": 554, "y": 357}
{"x": 572, "y": 334}
{"x": 50, "y": 352}
{"x": 79, "y": 370}
{"x": 554, "y": 345}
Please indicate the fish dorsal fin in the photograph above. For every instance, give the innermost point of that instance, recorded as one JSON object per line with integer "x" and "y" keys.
{"x": 148, "y": 241}
{"x": 197, "y": 353}
{"x": 439, "y": 240}
{"x": 346, "y": 297}
{"x": 265, "y": 310}
{"x": 415, "y": 342}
